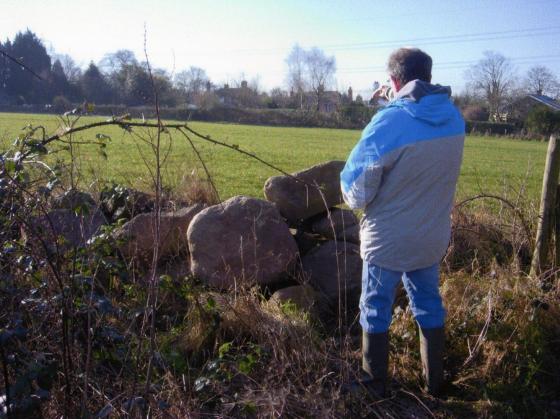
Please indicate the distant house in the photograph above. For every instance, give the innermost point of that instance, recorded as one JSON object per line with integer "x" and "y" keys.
{"x": 329, "y": 101}
{"x": 237, "y": 97}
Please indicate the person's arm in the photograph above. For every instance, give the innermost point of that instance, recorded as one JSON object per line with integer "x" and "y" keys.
{"x": 360, "y": 180}
{"x": 361, "y": 177}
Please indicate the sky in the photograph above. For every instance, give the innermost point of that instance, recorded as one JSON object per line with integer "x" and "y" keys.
{"x": 250, "y": 39}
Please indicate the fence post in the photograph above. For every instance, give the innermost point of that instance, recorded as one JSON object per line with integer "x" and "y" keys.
{"x": 557, "y": 228}
{"x": 548, "y": 202}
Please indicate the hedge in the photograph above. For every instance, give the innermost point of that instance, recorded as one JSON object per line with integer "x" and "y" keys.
{"x": 491, "y": 128}
{"x": 346, "y": 118}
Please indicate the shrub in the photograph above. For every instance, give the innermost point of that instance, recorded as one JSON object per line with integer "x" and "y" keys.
{"x": 490, "y": 128}
{"x": 542, "y": 120}
{"x": 60, "y": 104}
{"x": 357, "y": 114}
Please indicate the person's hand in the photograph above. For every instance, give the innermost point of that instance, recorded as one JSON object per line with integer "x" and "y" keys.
{"x": 382, "y": 92}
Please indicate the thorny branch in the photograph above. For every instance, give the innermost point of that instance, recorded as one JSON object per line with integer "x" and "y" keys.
{"x": 125, "y": 123}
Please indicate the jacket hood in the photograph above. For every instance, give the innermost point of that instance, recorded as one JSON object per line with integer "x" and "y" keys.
{"x": 427, "y": 102}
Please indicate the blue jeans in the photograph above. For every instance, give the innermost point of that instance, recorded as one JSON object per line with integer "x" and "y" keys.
{"x": 378, "y": 293}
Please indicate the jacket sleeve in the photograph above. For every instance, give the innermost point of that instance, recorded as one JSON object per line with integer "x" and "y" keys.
{"x": 361, "y": 177}
{"x": 360, "y": 180}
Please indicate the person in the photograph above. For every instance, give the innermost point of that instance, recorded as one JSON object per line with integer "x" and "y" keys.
{"x": 403, "y": 174}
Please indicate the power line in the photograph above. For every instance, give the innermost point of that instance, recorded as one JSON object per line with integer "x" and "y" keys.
{"x": 452, "y": 64}
{"x": 445, "y": 37}
{"x": 432, "y": 40}
{"x": 453, "y": 39}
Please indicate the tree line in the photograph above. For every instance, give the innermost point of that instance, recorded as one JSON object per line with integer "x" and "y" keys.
{"x": 494, "y": 91}
{"x": 120, "y": 78}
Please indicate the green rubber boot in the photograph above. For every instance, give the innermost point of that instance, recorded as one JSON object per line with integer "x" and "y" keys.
{"x": 432, "y": 342}
{"x": 375, "y": 359}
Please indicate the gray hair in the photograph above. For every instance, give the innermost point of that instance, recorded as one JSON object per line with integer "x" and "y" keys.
{"x": 407, "y": 64}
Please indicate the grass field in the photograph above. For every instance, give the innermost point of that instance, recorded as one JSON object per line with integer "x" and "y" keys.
{"x": 490, "y": 165}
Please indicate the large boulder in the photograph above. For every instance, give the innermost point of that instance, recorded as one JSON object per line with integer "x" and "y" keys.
{"x": 138, "y": 234}
{"x": 74, "y": 199}
{"x": 333, "y": 223}
{"x": 243, "y": 240}
{"x": 66, "y": 227}
{"x": 307, "y": 241}
{"x": 335, "y": 269}
{"x": 351, "y": 234}
{"x": 298, "y": 200}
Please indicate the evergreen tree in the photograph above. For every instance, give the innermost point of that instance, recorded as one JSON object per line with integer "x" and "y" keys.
{"x": 4, "y": 71}
{"x": 59, "y": 85}
{"x": 29, "y": 50}
{"x": 94, "y": 86}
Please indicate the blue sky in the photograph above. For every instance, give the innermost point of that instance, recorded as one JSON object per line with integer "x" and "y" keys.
{"x": 247, "y": 39}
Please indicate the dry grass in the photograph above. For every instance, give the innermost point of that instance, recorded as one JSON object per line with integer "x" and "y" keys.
{"x": 254, "y": 358}
{"x": 240, "y": 355}
{"x": 193, "y": 189}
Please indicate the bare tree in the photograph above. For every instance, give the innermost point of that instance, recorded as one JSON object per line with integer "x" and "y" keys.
{"x": 279, "y": 98}
{"x": 192, "y": 82}
{"x": 541, "y": 81}
{"x": 121, "y": 67}
{"x": 310, "y": 70}
{"x": 116, "y": 61}
{"x": 255, "y": 84}
{"x": 69, "y": 67}
{"x": 320, "y": 69}
{"x": 493, "y": 78}
{"x": 296, "y": 78}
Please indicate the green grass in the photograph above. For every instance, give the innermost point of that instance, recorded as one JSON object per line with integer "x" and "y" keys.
{"x": 490, "y": 165}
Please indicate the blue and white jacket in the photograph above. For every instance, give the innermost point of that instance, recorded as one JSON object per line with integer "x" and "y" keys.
{"x": 403, "y": 172}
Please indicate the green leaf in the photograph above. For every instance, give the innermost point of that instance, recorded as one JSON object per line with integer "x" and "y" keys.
{"x": 9, "y": 166}
{"x": 246, "y": 365}
{"x": 166, "y": 282}
{"x": 210, "y": 303}
{"x": 224, "y": 349}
